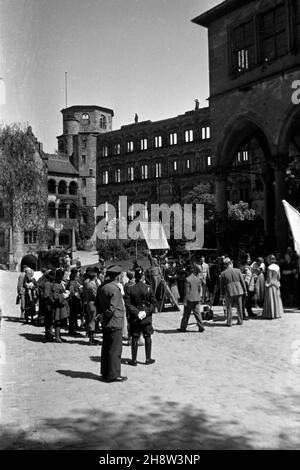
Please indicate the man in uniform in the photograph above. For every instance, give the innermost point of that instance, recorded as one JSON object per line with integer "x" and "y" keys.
{"x": 110, "y": 306}
{"x": 140, "y": 304}
{"x": 90, "y": 287}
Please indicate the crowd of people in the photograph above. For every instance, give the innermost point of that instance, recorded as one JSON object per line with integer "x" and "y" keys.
{"x": 120, "y": 305}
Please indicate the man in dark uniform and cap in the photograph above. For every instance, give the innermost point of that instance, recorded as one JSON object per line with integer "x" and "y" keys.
{"x": 90, "y": 287}
{"x": 140, "y": 304}
{"x": 110, "y": 306}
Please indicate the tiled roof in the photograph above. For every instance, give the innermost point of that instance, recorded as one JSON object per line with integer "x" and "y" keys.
{"x": 60, "y": 166}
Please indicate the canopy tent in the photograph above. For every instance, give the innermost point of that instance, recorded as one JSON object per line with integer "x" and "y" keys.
{"x": 293, "y": 217}
{"x": 154, "y": 235}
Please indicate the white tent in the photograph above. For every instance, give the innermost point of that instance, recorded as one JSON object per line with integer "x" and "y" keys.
{"x": 293, "y": 217}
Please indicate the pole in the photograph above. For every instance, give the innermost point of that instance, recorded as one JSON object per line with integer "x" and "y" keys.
{"x": 66, "y": 88}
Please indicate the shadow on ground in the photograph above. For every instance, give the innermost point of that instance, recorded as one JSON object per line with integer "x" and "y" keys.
{"x": 165, "y": 425}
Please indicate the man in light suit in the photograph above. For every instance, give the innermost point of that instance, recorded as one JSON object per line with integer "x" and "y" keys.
{"x": 192, "y": 301}
{"x": 234, "y": 287}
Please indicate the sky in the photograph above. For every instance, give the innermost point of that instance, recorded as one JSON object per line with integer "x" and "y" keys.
{"x": 132, "y": 56}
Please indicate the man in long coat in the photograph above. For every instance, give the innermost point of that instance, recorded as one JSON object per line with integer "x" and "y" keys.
{"x": 111, "y": 308}
{"x": 234, "y": 287}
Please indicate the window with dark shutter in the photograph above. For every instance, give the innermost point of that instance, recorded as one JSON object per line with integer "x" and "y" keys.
{"x": 243, "y": 47}
{"x": 297, "y": 24}
{"x": 273, "y": 34}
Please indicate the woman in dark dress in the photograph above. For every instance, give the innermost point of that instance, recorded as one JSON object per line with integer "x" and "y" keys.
{"x": 60, "y": 303}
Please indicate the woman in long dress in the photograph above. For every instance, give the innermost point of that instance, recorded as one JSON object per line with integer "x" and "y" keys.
{"x": 273, "y": 307}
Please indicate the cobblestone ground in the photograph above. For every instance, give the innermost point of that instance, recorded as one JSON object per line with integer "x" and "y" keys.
{"x": 227, "y": 388}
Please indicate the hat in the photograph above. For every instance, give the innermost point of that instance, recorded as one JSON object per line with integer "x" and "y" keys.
{"x": 113, "y": 270}
{"x": 227, "y": 260}
{"x": 138, "y": 272}
{"x": 91, "y": 271}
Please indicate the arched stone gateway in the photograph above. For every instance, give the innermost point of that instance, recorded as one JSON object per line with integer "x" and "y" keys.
{"x": 245, "y": 172}
{"x": 65, "y": 238}
{"x": 31, "y": 261}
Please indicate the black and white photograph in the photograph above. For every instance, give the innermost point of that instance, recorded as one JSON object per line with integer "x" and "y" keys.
{"x": 149, "y": 229}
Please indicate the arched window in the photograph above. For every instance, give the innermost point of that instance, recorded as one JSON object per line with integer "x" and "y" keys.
{"x": 2, "y": 238}
{"x": 73, "y": 211}
{"x": 51, "y": 210}
{"x": 62, "y": 211}
{"x": 62, "y": 187}
{"x": 1, "y": 210}
{"x": 73, "y": 188}
{"x": 51, "y": 186}
{"x": 102, "y": 121}
{"x": 85, "y": 118}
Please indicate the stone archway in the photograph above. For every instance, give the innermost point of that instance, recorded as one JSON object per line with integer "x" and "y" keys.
{"x": 244, "y": 155}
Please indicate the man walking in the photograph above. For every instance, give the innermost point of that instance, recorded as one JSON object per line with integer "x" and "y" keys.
{"x": 140, "y": 304}
{"x": 110, "y": 306}
{"x": 192, "y": 300}
{"x": 234, "y": 287}
{"x": 90, "y": 287}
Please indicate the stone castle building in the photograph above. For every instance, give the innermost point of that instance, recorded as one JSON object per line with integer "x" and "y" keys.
{"x": 154, "y": 162}
{"x": 254, "y": 62}
{"x": 72, "y": 171}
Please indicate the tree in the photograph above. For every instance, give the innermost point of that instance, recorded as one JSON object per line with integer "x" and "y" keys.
{"x": 86, "y": 224}
{"x": 241, "y": 218}
{"x": 23, "y": 182}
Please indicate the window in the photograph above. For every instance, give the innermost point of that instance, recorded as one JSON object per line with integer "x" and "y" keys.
{"x": 73, "y": 188}
{"x": 297, "y": 23}
{"x": 62, "y": 211}
{"x": 118, "y": 176}
{"x": 273, "y": 34}
{"x": 158, "y": 141}
{"x": 242, "y": 156}
{"x": 83, "y": 142}
{"x": 205, "y": 133}
{"x": 84, "y": 182}
{"x": 83, "y": 159}
{"x": 130, "y": 173}
{"x": 175, "y": 166}
{"x": 51, "y": 210}
{"x": 30, "y": 238}
{"x": 91, "y": 172}
{"x": 85, "y": 118}
{"x": 188, "y": 164}
{"x": 73, "y": 211}
{"x": 130, "y": 146}
{"x": 189, "y": 135}
{"x": 1, "y": 210}
{"x": 62, "y": 187}
{"x": 243, "y": 47}
{"x": 144, "y": 172}
{"x": 173, "y": 138}
{"x": 158, "y": 170}
{"x": 209, "y": 160}
{"x": 84, "y": 201}
{"x": 2, "y": 238}
{"x": 144, "y": 144}
{"x": 51, "y": 187}
{"x": 104, "y": 151}
{"x": 117, "y": 149}
{"x": 28, "y": 208}
{"x": 105, "y": 177}
{"x": 102, "y": 122}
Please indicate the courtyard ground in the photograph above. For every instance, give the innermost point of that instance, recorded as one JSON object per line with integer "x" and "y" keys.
{"x": 228, "y": 388}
